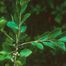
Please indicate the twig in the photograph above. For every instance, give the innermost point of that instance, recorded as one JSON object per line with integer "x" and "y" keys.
{"x": 34, "y": 41}
{"x": 4, "y": 32}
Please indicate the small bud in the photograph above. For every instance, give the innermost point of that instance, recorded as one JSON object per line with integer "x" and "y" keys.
{"x": 15, "y": 54}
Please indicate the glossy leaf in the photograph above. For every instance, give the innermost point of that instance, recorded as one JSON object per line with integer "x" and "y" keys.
{"x": 63, "y": 39}
{"x": 60, "y": 44}
{"x": 12, "y": 24}
{"x": 23, "y": 28}
{"x": 49, "y": 44}
{"x": 38, "y": 45}
{"x": 25, "y": 53}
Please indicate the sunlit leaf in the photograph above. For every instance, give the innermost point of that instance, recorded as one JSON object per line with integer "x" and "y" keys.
{"x": 63, "y": 39}
{"x": 49, "y": 44}
{"x": 38, "y": 45}
{"x": 25, "y": 53}
{"x": 60, "y": 44}
{"x": 3, "y": 52}
{"x": 23, "y": 28}
{"x": 12, "y": 24}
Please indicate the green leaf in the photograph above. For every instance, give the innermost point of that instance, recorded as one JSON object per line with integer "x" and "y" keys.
{"x": 63, "y": 39}
{"x": 26, "y": 16}
{"x": 38, "y": 45}
{"x": 58, "y": 18}
{"x": 55, "y": 33}
{"x": 45, "y": 36}
{"x": 64, "y": 4}
{"x": 24, "y": 4}
{"x": 23, "y": 28}
{"x": 60, "y": 44}
{"x": 6, "y": 45}
{"x": 49, "y": 44}
{"x": 53, "y": 12}
{"x": 12, "y": 25}
{"x": 2, "y": 22}
{"x": 25, "y": 53}
{"x": 19, "y": 63}
{"x": 3, "y": 55}
{"x": 3, "y": 52}
{"x": 22, "y": 1}
{"x": 7, "y": 64}
{"x": 23, "y": 8}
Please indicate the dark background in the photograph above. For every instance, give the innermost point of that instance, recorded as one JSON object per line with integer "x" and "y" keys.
{"x": 38, "y": 24}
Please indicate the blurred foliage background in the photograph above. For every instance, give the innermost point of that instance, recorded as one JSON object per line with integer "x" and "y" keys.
{"x": 46, "y": 15}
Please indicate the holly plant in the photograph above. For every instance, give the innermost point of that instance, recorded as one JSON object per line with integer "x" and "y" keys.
{"x": 14, "y": 46}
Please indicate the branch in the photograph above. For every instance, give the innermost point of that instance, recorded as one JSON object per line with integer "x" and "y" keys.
{"x": 29, "y": 43}
{"x": 33, "y": 41}
{"x": 4, "y": 32}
